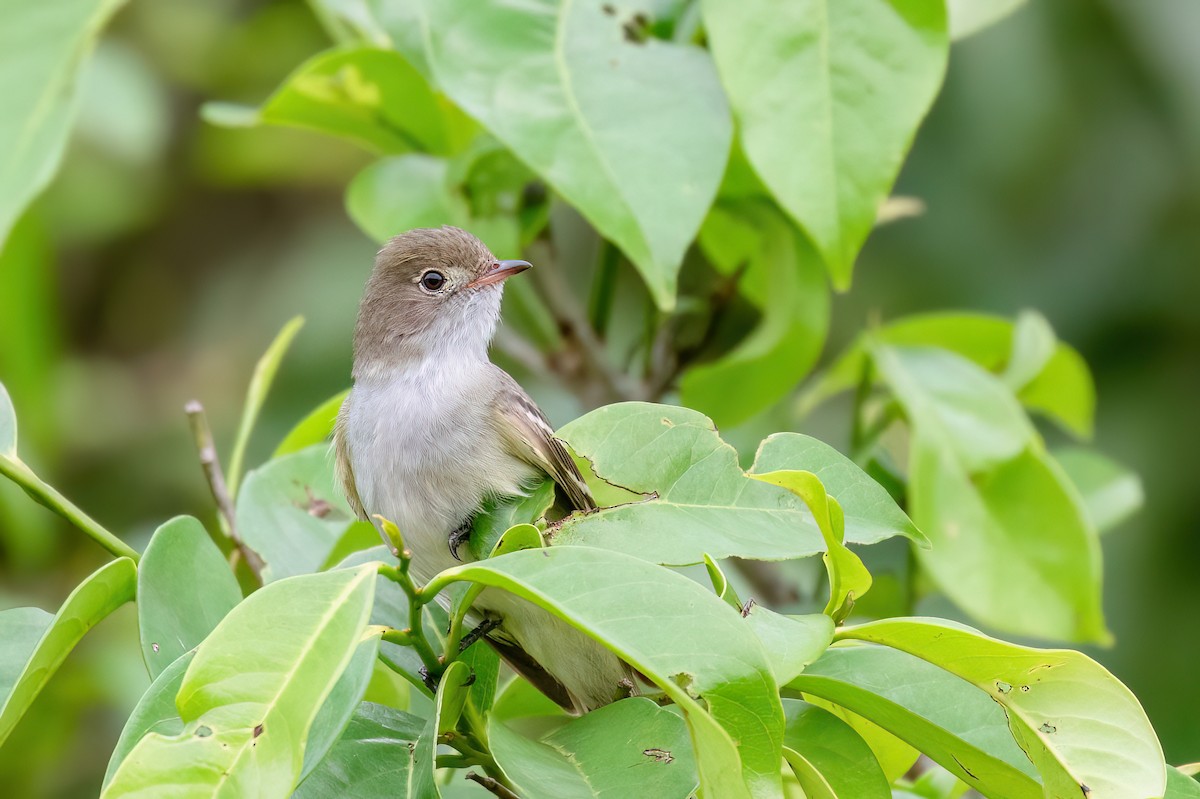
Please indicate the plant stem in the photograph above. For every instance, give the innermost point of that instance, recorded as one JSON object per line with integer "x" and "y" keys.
{"x": 861, "y": 393}
{"x": 604, "y": 287}
{"x": 211, "y": 465}
{"x": 492, "y": 786}
{"x": 415, "y": 634}
{"x": 49, "y": 497}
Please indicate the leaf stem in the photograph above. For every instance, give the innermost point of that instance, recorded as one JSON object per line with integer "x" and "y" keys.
{"x": 46, "y": 495}
{"x": 492, "y": 785}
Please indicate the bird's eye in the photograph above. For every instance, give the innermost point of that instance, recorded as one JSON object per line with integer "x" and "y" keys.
{"x": 432, "y": 280}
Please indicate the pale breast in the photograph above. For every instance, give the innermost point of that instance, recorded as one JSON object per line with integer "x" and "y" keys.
{"x": 425, "y": 453}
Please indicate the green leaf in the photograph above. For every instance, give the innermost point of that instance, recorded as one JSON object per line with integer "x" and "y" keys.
{"x": 1033, "y": 345}
{"x": 44, "y": 48}
{"x": 256, "y": 395}
{"x": 411, "y": 191}
{"x": 314, "y": 428}
{"x": 484, "y": 663}
{"x": 36, "y": 644}
{"x": 783, "y": 278}
{"x": 339, "y": 706}
{"x": 578, "y": 102}
{"x": 954, "y": 724}
{"x": 1181, "y": 786}
{"x": 629, "y": 748}
{"x": 828, "y": 756}
{"x": 871, "y": 514}
{"x": 791, "y": 642}
{"x": 290, "y": 513}
{"x": 721, "y": 586}
{"x": 700, "y": 501}
{"x": 671, "y": 643}
{"x": 968, "y": 17}
{"x": 1063, "y": 390}
{"x": 184, "y": 588}
{"x": 828, "y": 96}
{"x": 369, "y": 96}
{"x": 497, "y": 515}
{"x": 848, "y": 577}
{"x": 1076, "y": 721}
{"x": 447, "y": 707}
{"x": 372, "y": 760}
{"x": 246, "y": 728}
{"x": 8, "y": 425}
{"x": 154, "y": 712}
{"x": 520, "y": 699}
{"x": 1111, "y": 492}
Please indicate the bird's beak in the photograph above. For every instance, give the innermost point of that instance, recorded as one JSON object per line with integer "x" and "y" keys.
{"x": 499, "y": 271}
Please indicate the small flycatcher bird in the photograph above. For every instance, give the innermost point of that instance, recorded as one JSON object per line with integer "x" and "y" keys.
{"x": 432, "y": 428}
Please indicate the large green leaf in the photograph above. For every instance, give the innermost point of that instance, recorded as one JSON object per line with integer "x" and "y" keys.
{"x": 44, "y": 46}
{"x": 828, "y": 757}
{"x": 372, "y": 97}
{"x": 939, "y": 714}
{"x": 1063, "y": 390}
{"x": 256, "y": 395}
{"x": 372, "y": 760}
{"x": 870, "y": 512}
{"x": 245, "y": 728}
{"x": 1181, "y": 786}
{"x": 336, "y": 711}
{"x": 828, "y": 95}
{"x": 1079, "y": 725}
{"x": 154, "y": 712}
{"x": 791, "y": 642}
{"x": 670, "y": 641}
{"x": 448, "y": 704}
{"x": 36, "y": 644}
{"x": 697, "y": 498}
{"x": 783, "y": 278}
{"x": 314, "y": 428}
{"x": 290, "y": 512}
{"x": 410, "y": 191}
{"x": 626, "y": 749}
{"x": 184, "y": 588}
{"x": 563, "y": 86}
{"x": 997, "y": 510}
{"x": 1111, "y": 492}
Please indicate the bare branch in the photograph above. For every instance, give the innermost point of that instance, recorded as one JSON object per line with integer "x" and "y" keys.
{"x": 492, "y": 786}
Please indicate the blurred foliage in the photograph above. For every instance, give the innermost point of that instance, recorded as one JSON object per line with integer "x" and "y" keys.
{"x": 1060, "y": 167}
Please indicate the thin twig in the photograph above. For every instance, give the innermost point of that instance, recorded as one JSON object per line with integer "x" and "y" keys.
{"x": 211, "y": 465}
{"x": 492, "y": 786}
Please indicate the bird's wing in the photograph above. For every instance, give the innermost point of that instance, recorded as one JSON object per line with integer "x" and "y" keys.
{"x": 530, "y": 437}
{"x": 341, "y": 460}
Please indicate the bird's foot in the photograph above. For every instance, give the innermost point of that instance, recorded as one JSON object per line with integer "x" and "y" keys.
{"x": 460, "y": 536}
{"x": 485, "y": 627}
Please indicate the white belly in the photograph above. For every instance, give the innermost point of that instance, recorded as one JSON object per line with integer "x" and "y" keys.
{"x": 425, "y": 454}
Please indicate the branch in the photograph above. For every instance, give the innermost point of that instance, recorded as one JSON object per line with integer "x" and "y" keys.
{"x": 492, "y": 786}
{"x": 211, "y": 465}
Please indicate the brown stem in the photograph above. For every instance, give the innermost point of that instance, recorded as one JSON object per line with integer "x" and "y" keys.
{"x": 213, "y": 474}
{"x": 492, "y": 786}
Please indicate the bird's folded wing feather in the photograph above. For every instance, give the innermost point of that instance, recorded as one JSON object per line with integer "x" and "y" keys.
{"x": 341, "y": 461}
{"x": 529, "y": 436}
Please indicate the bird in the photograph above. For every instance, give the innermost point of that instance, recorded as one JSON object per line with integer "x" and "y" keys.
{"x": 431, "y": 429}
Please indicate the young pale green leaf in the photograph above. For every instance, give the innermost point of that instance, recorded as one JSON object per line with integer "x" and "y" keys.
{"x": 245, "y": 729}
{"x": 699, "y": 501}
{"x": 410, "y": 191}
{"x": 670, "y": 641}
{"x": 1063, "y": 390}
{"x": 721, "y": 586}
{"x": 1018, "y": 524}
{"x": 577, "y": 100}
{"x": 290, "y": 513}
{"x": 1033, "y": 345}
{"x": 791, "y": 642}
{"x": 1111, "y": 492}
{"x": 968, "y": 17}
{"x": 338, "y": 707}
{"x": 314, "y": 428}
{"x": 154, "y": 712}
{"x": 848, "y": 577}
{"x": 447, "y": 707}
{"x": 35, "y": 644}
{"x": 828, "y": 95}
{"x": 870, "y": 512}
{"x": 1079, "y": 725}
{"x": 484, "y": 663}
{"x": 372, "y": 760}
{"x": 256, "y": 395}
{"x": 498, "y": 515}
{"x": 520, "y": 699}
{"x": 367, "y": 95}
{"x": 941, "y": 715}
{"x": 626, "y": 749}
{"x": 184, "y": 588}
{"x": 1180, "y": 785}
{"x": 782, "y": 277}
{"x": 828, "y": 757}
{"x": 44, "y": 48}
{"x": 8, "y": 425}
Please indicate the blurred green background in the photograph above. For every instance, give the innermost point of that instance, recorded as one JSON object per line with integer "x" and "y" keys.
{"x": 1060, "y": 167}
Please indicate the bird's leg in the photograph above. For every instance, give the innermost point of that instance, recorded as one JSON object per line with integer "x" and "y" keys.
{"x": 461, "y": 535}
{"x": 485, "y": 627}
